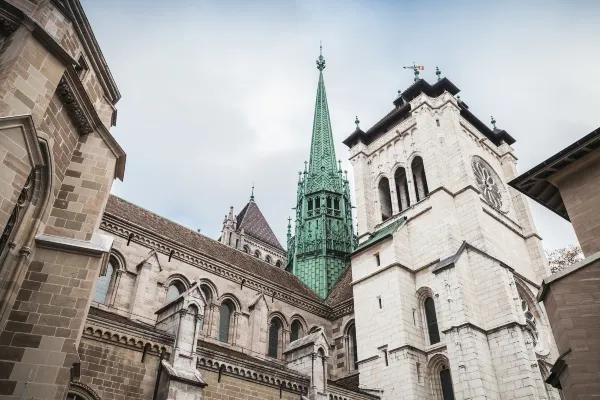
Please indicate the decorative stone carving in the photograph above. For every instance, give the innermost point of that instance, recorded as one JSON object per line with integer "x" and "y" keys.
{"x": 67, "y": 94}
{"x": 488, "y": 183}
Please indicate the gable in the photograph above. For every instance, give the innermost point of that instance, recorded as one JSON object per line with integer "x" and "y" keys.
{"x": 254, "y": 223}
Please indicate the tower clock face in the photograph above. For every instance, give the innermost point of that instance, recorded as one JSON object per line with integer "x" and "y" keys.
{"x": 488, "y": 182}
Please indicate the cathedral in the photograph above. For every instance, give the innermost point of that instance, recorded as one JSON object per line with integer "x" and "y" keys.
{"x": 431, "y": 297}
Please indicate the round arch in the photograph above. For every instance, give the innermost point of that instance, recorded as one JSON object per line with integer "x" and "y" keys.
{"x": 210, "y": 286}
{"x": 281, "y": 317}
{"x": 178, "y": 278}
{"x": 234, "y": 300}
{"x": 81, "y": 391}
{"x": 119, "y": 259}
{"x": 439, "y": 375}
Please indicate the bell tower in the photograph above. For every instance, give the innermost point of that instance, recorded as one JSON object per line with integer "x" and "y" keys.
{"x": 318, "y": 252}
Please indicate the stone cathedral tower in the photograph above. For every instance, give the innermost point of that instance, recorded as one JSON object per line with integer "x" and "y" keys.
{"x": 448, "y": 262}
{"x": 318, "y": 252}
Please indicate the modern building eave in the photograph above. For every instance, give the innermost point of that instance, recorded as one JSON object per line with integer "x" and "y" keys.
{"x": 535, "y": 183}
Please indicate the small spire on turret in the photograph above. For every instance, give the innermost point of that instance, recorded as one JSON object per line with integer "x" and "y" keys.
{"x": 305, "y": 166}
{"x": 340, "y": 166}
{"x": 289, "y": 227}
{"x": 321, "y": 59}
{"x": 494, "y": 122}
{"x": 357, "y": 122}
{"x": 438, "y": 73}
{"x": 252, "y": 195}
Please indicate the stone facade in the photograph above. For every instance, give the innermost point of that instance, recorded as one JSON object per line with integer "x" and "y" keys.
{"x": 59, "y": 159}
{"x": 568, "y": 183}
{"x": 448, "y": 257}
{"x": 101, "y": 299}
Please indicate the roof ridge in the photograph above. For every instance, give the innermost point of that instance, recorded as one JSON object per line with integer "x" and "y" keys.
{"x": 160, "y": 216}
{"x": 222, "y": 245}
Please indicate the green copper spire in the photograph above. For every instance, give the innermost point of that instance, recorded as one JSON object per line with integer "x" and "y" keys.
{"x": 322, "y": 166}
{"x": 318, "y": 253}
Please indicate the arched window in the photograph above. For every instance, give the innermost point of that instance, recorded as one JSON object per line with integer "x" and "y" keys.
{"x": 418, "y": 170}
{"x": 402, "y": 188}
{"x": 310, "y": 205}
{"x": 352, "y": 349}
{"x": 257, "y": 254}
{"x": 274, "y": 332}
{"x": 385, "y": 198}
{"x": 278, "y": 264}
{"x": 175, "y": 289}
{"x": 247, "y": 249}
{"x": 226, "y": 312}
{"x": 317, "y": 202}
{"x": 431, "y": 317}
{"x": 103, "y": 283}
{"x": 296, "y": 331}
{"x": 269, "y": 259}
{"x": 446, "y": 383}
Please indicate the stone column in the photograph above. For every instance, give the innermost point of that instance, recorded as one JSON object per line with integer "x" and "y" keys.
{"x": 394, "y": 196}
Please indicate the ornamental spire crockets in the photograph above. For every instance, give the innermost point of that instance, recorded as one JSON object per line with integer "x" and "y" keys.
{"x": 323, "y": 233}
{"x": 322, "y": 165}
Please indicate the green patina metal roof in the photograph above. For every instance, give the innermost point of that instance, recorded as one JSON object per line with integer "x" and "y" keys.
{"x": 322, "y": 167}
{"x": 382, "y": 234}
{"x": 323, "y": 236}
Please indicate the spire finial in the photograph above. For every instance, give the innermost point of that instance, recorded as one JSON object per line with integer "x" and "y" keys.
{"x": 438, "y": 73}
{"x": 494, "y": 122}
{"x": 252, "y": 195}
{"x": 357, "y": 122}
{"x": 416, "y": 68}
{"x": 321, "y": 59}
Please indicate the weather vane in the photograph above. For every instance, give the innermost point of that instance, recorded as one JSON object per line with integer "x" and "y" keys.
{"x": 416, "y": 69}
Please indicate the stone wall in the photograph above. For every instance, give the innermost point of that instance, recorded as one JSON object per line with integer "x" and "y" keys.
{"x": 232, "y": 387}
{"x": 579, "y": 186}
{"x": 573, "y": 310}
{"x": 116, "y": 371}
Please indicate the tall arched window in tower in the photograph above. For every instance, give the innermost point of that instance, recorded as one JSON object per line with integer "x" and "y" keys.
{"x": 402, "y": 188}
{"x": 296, "y": 331}
{"x": 431, "y": 317}
{"x": 385, "y": 198}
{"x": 226, "y": 312}
{"x": 352, "y": 348}
{"x": 274, "y": 333}
{"x": 103, "y": 283}
{"x": 446, "y": 383}
{"x": 418, "y": 171}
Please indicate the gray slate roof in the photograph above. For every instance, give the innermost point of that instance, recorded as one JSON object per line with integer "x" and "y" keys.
{"x": 254, "y": 223}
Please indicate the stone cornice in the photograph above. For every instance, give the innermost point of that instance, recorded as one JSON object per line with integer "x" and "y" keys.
{"x": 122, "y": 228}
{"x": 97, "y": 331}
{"x": 129, "y": 329}
{"x": 346, "y": 307}
{"x": 248, "y": 370}
{"x": 85, "y": 117}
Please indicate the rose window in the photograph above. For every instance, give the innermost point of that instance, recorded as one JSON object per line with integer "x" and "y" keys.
{"x": 487, "y": 182}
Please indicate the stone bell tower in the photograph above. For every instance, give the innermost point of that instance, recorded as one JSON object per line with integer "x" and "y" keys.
{"x": 318, "y": 252}
{"x": 448, "y": 260}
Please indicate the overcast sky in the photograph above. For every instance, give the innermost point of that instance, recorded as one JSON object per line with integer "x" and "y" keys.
{"x": 218, "y": 95}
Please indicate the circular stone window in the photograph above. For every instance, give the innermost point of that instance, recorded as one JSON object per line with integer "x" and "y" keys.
{"x": 489, "y": 183}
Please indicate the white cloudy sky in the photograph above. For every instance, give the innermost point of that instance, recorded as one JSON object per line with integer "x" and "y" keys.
{"x": 217, "y": 95}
